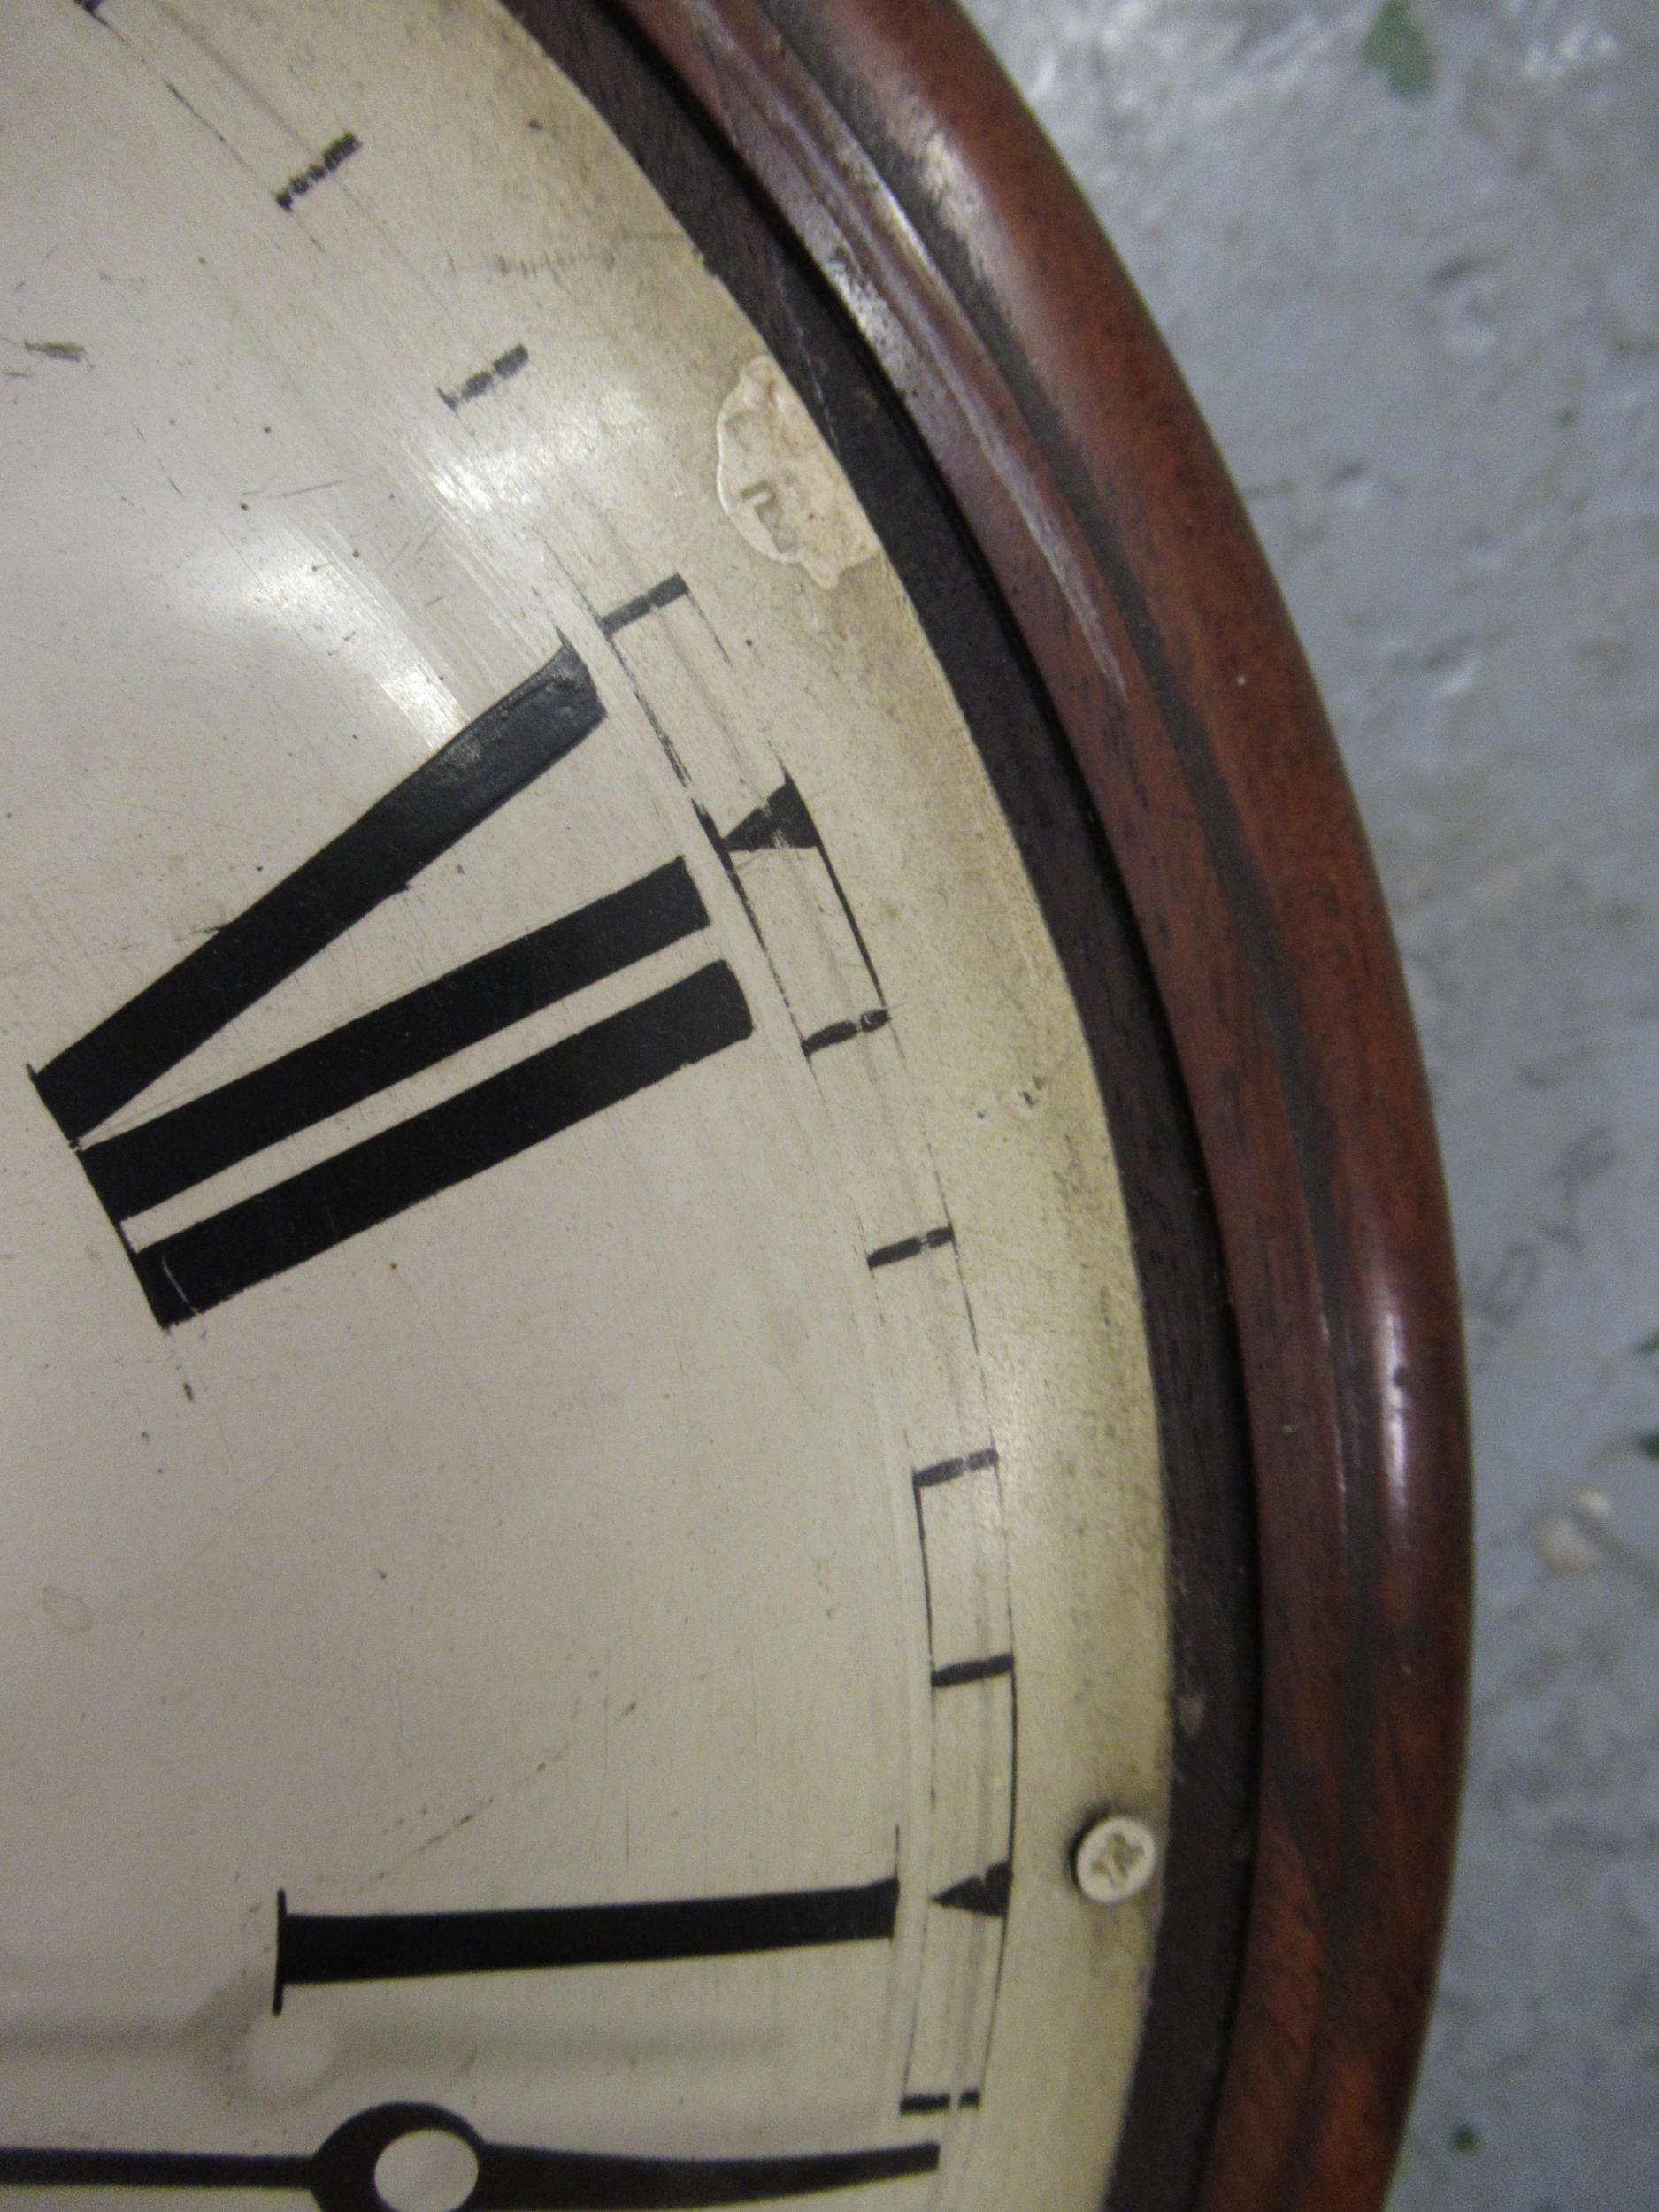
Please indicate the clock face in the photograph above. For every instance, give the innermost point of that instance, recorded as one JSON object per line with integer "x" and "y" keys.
{"x": 581, "y": 1532}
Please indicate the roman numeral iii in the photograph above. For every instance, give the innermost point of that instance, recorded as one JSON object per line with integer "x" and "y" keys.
{"x": 494, "y": 758}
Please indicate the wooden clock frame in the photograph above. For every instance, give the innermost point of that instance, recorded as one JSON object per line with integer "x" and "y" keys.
{"x": 877, "y": 148}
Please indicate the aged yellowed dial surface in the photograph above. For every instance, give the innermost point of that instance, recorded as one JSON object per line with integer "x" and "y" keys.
{"x": 579, "y": 1516}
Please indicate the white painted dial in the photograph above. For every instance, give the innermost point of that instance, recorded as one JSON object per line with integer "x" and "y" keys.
{"x": 573, "y": 1386}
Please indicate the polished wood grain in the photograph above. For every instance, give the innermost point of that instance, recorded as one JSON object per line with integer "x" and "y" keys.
{"x": 912, "y": 179}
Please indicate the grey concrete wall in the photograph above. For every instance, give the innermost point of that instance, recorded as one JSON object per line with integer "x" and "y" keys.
{"x": 1408, "y": 258}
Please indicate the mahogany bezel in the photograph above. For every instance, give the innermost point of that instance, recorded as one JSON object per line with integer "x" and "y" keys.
{"x": 923, "y": 194}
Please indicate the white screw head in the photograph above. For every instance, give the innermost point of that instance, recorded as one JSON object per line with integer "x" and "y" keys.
{"x": 1115, "y": 1858}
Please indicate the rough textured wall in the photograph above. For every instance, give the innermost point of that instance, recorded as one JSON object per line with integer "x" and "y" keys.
{"x": 1407, "y": 256}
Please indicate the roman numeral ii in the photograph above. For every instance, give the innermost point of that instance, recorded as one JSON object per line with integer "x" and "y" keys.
{"x": 495, "y": 757}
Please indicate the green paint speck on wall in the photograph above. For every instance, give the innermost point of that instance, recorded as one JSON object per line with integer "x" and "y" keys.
{"x": 1397, "y": 47}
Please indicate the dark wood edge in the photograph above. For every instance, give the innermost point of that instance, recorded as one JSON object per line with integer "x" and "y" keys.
{"x": 892, "y": 146}
{"x": 1191, "y": 1341}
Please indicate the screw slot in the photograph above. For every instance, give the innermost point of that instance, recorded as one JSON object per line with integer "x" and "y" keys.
{"x": 1114, "y": 1859}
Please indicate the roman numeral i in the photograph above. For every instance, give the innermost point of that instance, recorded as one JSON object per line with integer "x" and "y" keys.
{"x": 494, "y": 758}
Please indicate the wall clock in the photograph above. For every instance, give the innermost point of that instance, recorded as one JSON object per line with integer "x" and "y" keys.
{"x": 734, "y": 1457}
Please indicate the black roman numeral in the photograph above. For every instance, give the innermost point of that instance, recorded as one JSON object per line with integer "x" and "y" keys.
{"x": 175, "y": 1150}
{"x": 357, "y": 1189}
{"x": 318, "y": 1947}
{"x": 486, "y": 764}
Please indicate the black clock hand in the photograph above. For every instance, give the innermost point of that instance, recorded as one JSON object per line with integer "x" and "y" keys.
{"x": 27, "y": 2167}
{"x": 510, "y": 2178}
{"x": 515, "y": 2179}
